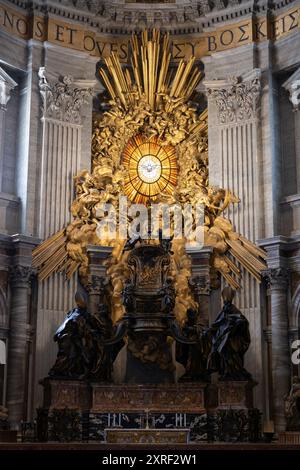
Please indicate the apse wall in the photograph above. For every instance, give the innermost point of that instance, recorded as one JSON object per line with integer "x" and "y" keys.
{"x": 254, "y": 131}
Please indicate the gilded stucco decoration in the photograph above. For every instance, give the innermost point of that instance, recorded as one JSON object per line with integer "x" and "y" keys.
{"x": 150, "y": 104}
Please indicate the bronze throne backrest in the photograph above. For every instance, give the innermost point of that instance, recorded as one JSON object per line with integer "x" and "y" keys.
{"x": 149, "y": 266}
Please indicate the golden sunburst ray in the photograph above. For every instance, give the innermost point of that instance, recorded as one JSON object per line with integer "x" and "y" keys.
{"x": 151, "y": 73}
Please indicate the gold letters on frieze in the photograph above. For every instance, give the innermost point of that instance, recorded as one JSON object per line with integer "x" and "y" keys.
{"x": 70, "y": 35}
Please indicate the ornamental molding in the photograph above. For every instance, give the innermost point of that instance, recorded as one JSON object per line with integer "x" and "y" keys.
{"x": 277, "y": 278}
{"x": 7, "y": 84}
{"x": 21, "y": 275}
{"x": 64, "y": 99}
{"x": 97, "y": 285}
{"x": 135, "y": 15}
{"x": 292, "y": 85}
{"x": 200, "y": 284}
{"x": 237, "y": 98}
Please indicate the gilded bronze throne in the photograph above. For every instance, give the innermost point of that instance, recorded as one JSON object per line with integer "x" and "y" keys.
{"x": 149, "y": 325}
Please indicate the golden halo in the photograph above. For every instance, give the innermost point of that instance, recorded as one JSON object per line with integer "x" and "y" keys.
{"x": 151, "y": 168}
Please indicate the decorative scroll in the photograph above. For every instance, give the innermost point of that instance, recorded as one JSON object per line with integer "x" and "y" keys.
{"x": 238, "y": 101}
{"x": 62, "y": 100}
{"x": 21, "y": 274}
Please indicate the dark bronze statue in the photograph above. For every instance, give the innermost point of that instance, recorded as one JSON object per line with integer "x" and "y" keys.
{"x": 101, "y": 357}
{"x": 72, "y": 358}
{"x": 230, "y": 339}
{"x": 168, "y": 293}
{"x": 82, "y": 352}
{"x": 194, "y": 356}
{"x": 128, "y": 296}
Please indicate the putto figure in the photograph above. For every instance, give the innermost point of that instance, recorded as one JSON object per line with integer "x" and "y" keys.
{"x": 230, "y": 339}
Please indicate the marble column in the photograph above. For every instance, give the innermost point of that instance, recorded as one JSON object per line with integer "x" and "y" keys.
{"x": 269, "y": 412}
{"x": 20, "y": 280}
{"x": 6, "y": 85}
{"x": 278, "y": 280}
{"x": 22, "y": 327}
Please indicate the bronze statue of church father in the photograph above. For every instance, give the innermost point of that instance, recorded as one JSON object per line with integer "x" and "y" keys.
{"x": 153, "y": 343}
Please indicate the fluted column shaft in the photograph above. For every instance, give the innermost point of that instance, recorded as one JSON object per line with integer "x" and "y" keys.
{"x": 281, "y": 360}
{"x": 6, "y": 85}
{"x": 17, "y": 350}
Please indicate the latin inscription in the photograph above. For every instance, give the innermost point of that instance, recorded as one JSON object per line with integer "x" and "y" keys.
{"x": 72, "y": 36}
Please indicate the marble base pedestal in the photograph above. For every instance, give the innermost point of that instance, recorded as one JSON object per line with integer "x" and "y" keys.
{"x": 118, "y": 412}
{"x": 163, "y": 398}
{"x": 183, "y": 397}
{"x": 72, "y": 394}
{"x": 147, "y": 436}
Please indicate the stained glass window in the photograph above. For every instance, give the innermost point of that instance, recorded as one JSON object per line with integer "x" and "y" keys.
{"x": 151, "y": 168}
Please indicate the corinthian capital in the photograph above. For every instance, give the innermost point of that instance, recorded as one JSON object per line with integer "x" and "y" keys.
{"x": 62, "y": 100}
{"x": 276, "y": 277}
{"x": 200, "y": 285}
{"x": 236, "y": 98}
{"x": 6, "y": 85}
{"x": 292, "y": 85}
{"x": 96, "y": 285}
{"x": 21, "y": 275}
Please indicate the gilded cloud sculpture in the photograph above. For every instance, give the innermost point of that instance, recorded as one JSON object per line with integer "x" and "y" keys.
{"x": 151, "y": 145}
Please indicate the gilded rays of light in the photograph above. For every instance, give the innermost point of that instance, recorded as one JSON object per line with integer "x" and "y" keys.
{"x": 151, "y": 73}
{"x": 137, "y": 189}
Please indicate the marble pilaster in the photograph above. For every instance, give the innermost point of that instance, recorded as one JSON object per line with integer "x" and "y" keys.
{"x": 6, "y": 85}
{"x": 233, "y": 134}
{"x": 8, "y": 202}
{"x": 233, "y": 153}
{"x": 64, "y": 101}
{"x": 292, "y": 86}
{"x": 17, "y": 354}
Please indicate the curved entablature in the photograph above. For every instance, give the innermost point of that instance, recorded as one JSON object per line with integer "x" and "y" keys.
{"x": 128, "y": 15}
